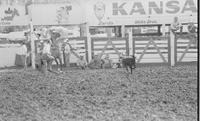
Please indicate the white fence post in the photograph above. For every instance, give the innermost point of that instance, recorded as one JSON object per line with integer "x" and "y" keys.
{"x": 123, "y": 30}
{"x": 163, "y": 29}
{"x": 32, "y": 46}
{"x": 130, "y": 41}
{"x": 89, "y": 45}
{"x": 172, "y": 48}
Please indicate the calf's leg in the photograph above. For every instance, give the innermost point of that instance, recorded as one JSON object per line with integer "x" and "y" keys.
{"x": 131, "y": 69}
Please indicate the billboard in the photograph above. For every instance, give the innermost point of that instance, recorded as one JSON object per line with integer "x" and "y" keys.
{"x": 139, "y": 12}
{"x": 13, "y": 15}
{"x": 57, "y": 14}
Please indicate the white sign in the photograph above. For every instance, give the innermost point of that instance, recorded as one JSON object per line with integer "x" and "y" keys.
{"x": 57, "y": 14}
{"x": 131, "y": 12}
{"x": 13, "y": 15}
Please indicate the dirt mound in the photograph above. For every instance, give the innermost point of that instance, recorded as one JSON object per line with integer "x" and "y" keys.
{"x": 149, "y": 94}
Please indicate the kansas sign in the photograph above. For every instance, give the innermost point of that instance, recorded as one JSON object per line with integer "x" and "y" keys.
{"x": 171, "y": 7}
{"x": 129, "y": 12}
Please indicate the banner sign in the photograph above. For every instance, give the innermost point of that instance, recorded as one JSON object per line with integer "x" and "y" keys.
{"x": 129, "y": 12}
{"x": 13, "y": 15}
{"x": 57, "y": 14}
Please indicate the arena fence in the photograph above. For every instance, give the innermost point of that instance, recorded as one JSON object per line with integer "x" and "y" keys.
{"x": 156, "y": 49}
{"x": 151, "y": 49}
{"x": 114, "y": 47}
{"x": 79, "y": 45}
{"x": 186, "y": 48}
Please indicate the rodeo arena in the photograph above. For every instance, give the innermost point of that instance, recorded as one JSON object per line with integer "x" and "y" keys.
{"x": 99, "y": 60}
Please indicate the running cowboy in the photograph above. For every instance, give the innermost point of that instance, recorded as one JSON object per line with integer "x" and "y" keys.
{"x": 47, "y": 58}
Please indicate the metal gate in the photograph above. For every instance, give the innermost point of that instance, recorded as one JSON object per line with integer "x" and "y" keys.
{"x": 79, "y": 48}
{"x": 186, "y": 48}
{"x": 150, "y": 49}
{"x": 114, "y": 47}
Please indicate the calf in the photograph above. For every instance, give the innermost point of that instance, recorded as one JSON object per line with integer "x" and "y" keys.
{"x": 129, "y": 63}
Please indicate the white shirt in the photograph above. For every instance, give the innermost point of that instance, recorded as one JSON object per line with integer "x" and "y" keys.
{"x": 175, "y": 26}
{"x": 67, "y": 49}
{"x": 23, "y": 50}
{"x": 46, "y": 48}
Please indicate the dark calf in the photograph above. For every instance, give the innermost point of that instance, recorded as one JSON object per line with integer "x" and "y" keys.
{"x": 129, "y": 63}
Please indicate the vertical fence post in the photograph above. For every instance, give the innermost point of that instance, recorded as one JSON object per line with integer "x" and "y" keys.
{"x": 123, "y": 30}
{"x": 172, "y": 48}
{"x": 31, "y": 36}
{"x": 130, "y": 39}
{"x": 32, "y": 46}
{"x": 89, "y": 48}
{"x": 163, "y": 29}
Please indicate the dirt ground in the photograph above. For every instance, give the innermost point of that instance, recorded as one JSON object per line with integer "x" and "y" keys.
{"x": 151, "y": 93}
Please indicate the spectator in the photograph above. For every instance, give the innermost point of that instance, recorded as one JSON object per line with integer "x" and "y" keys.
{"x": 176, "y": 25}
{"x": 82, "y": 62}
{"x": 192, "y": 29}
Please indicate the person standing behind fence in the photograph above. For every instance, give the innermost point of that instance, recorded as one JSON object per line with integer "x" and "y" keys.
{"x": 192, "y": 29}
{"x": 24, "y": 54}
{"x": 176, "y": 25}
{"x": 67, "y": 52}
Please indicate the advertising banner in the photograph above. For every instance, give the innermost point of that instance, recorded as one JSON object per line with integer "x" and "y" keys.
{"x": 13, "y": 15}
{"x": 139, "y": 12}
{"x": 57, "y": 14}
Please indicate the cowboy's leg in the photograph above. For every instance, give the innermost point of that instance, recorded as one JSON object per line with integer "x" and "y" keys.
{"x": 44, "y": 66}
{"x": 50, "y": 61}
{"x": 56, "y": 61}
{"x": 45, "y": 61}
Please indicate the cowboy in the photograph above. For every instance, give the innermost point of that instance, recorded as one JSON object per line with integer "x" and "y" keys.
{"x": 46, "y": 54}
